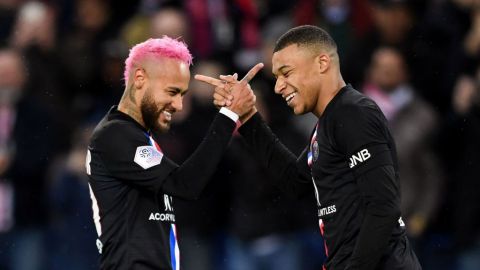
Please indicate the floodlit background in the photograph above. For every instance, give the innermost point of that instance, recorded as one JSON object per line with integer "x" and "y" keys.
{"x": 61, "y": 66}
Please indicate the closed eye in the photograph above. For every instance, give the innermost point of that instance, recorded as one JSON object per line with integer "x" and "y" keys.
{"x": 172, "y": 91}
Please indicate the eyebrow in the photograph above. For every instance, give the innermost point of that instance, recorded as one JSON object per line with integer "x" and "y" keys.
{"x": 177, "y": 90}
{"x": 280, "y": 69}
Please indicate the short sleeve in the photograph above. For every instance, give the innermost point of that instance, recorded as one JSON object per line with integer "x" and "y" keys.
{"x": 362, "y": 134}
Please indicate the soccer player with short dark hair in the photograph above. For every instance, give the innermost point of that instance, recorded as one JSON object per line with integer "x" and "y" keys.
{"x": 350, "y": 160}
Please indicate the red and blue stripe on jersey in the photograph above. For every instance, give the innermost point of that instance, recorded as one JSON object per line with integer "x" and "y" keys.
{"x": 310, "y": 164}
{"x": 174, "y": 250}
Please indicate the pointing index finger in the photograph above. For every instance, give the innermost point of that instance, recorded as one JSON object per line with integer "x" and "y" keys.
{"x": 252, "y": 72}
{"x": 209, "y": 80}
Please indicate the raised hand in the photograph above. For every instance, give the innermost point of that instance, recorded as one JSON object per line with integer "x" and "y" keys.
{"x": 222, "y": 95}
{"x": 235, "y": 95}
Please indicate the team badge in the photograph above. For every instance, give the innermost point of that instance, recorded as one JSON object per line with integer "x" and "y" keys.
{"x": 147, "y": 156}
{"x": 315, "y": 150}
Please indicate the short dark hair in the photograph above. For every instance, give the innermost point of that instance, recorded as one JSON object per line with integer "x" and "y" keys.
{"x": 308, "y": 35}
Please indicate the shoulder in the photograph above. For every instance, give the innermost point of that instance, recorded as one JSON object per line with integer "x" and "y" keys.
{"x": 356, "y": 122}
{"x": 117, "y": 132}
{"x": 354, "y": 106}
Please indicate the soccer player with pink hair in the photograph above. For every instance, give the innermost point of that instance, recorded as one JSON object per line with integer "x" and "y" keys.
{"x": 132, "y": 181}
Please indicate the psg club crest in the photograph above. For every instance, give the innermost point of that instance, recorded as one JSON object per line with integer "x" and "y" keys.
{"x": 315, "y": 150}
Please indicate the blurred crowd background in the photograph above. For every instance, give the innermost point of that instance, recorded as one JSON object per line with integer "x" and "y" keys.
{"x": 61, "y": 66}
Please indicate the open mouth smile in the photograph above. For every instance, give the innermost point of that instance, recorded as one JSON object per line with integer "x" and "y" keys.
{"x": 290, "y": 97}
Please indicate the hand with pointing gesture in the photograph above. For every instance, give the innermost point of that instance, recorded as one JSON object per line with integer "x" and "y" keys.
{"x": 235, "y": 95}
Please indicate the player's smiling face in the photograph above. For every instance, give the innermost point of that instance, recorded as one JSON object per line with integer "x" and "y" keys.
{"x": 297, "y": 78}
{"x": 166, "y": 85}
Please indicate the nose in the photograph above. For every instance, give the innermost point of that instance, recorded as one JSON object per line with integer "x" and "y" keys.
{"x": 177, "y": 103}
{"x": 279, "y": 85}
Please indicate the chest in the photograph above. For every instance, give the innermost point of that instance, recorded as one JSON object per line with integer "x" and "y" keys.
{"x": 326, "y": 157}
{"x": 331, "y": 174}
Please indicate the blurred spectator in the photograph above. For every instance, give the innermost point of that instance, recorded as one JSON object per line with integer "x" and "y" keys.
{"x": 8, "y": 10}
{"x": 413, "y": 124}
{"x": 35, "y": 26}
{"x": 400, "y": 24}
{"x": 34, "y": 36}
{"x": 171, "y": 22}
{"x": 80, "y": 55}
{"x": 226, "y": 29}
{"x": 71, "y": 242}
{"x": 472, "y": 39}
{"x": 336, "y": 17}
{"x": 211, "y": 22}
{"x": 247, "y": 28}
{"x": 332, "y": 15}
{"x": 155, "y": 21}
{"x": 393, "y": 23}
{"x": 461, "y": 146}
{"x": 30, "y": 136}
{"x": 449, "y": 35}
{"x": 8, "y": 100}
{"x": 110, "y": 84}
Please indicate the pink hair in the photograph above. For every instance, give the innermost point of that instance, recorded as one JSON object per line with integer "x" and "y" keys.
{"x": 158, "y": 47}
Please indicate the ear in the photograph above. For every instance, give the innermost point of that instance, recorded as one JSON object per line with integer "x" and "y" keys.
{"x": 139, "y": 78}
{"x": 323, "y": 61}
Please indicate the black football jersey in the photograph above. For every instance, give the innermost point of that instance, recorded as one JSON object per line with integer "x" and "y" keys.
{"x": 133, "y": 184}
{"x": 350, "y": 164}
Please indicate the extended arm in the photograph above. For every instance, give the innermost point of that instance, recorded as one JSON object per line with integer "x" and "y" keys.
{"x": 289, "y": 173}
{"x": 188, "y": 180}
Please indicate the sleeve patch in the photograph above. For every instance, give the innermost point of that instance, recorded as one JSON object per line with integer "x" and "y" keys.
{"x": 370, "y": 157}
{"x": 147, "y": 156}
{"x": 360, "y": 157}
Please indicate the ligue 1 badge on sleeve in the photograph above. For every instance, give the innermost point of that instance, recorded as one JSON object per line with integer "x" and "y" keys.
{"x": 315, "y": 150}
{"x": 147, "y": 156}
